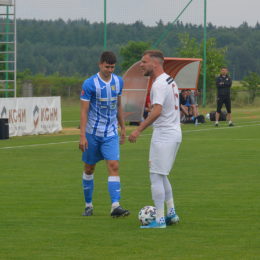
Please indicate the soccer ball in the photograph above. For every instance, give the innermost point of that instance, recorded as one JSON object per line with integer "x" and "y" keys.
{"x": 147, "y": 215}
{"x": 208, "y": 116}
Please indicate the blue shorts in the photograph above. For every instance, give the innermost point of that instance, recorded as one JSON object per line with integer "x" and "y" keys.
{"x": 100, "y": 148}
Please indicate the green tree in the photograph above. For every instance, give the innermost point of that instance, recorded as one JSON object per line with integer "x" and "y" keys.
{"x": 251, "y": 83}
{"x": 132, "y": 53}
{"x": 215, "y": 57}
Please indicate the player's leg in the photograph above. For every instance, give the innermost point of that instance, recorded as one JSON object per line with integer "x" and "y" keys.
{"x": 88, "y": 188}
{"x": 91, "y": 156}
{"x": 156, "y": 168}
{"x": 158, "y": 195}
{"x": 171, "y": 217}
{"x": 219, "y": 106}
{"x": 110, "y": 151}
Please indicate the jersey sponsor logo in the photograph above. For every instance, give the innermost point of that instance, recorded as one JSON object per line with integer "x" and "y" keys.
{"x": 113, "y": 87}
{"x": 113, "y": 98}
{"x": 113, "y": 106}
{"x": 103, "y": 107}
{"x": 103, "y": 99}
{"x": 82, "y": 92}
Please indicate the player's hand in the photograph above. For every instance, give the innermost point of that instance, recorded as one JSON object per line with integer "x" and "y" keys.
{"x": 133, "y": 136}
{"x": 122, "y": 136}
{"x": 83, "y": 143}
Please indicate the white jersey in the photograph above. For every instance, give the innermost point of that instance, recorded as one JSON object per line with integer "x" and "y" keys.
{"x": 167, "y": 126}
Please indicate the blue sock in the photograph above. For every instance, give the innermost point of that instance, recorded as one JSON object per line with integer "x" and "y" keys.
{"x": 114, "y": 188}
{"x": 88, "y": 187}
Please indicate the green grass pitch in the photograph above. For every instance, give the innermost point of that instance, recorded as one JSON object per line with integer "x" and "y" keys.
{"x": 215, "y": 182}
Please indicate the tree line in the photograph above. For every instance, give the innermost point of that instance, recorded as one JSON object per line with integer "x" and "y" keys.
{"x": 72, "y": 47}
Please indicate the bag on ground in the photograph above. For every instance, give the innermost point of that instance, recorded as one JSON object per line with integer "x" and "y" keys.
{"x": 201, "y": 119}
{"x": 222, "y": 116}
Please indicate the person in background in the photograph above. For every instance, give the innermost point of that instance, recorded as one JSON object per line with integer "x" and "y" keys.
{"x": 147, "y": 107}
{"x": 194, "y": 101}
{"x": 182, "y": 106}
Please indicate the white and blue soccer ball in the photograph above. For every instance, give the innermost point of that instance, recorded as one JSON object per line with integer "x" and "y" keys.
{"x": 147, "y": 215}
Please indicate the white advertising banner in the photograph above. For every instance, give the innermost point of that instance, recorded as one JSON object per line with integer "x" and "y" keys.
{"x": 32, "y": 116}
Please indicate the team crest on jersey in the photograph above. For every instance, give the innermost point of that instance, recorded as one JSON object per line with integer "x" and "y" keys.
{"x": 82, "y": 92}
{"x": 113, "y": 87}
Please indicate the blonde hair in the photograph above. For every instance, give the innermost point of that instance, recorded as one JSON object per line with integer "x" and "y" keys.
{"x": 155, "y": 54}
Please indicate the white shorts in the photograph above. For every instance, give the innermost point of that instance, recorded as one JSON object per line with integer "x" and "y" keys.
{"x": 162, "y": 156}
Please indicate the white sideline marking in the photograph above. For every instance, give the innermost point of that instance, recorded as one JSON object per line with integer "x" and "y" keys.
{"x": 36, "y": 145}
{"x": 191, "y": 139}
{"x": 217, "y": 128}
{"x": 198, "y": 130}
{"x": 71, "y": 121}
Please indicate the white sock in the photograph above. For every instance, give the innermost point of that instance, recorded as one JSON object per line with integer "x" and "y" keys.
{"x": 115, "y": 205}
{"x": 230, "y": 122}
{"x": 168, "y": 196}
{"x": 216, "y": 122}
{"x": 170, "y": 208}
{"x": 158, "y": 194}
{"x": 89, "y": 205}
{"x": 160, "y": 216}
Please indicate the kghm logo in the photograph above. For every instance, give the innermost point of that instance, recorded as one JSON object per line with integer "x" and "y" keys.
{"x": 36, "y": 116}
{"x": 49, "y": 114}
{"x": 17, "y": 115}
{"x": 4, "y": 112}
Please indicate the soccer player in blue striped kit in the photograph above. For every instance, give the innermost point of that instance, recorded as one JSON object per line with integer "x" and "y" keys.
{"x": 100, "y": 109}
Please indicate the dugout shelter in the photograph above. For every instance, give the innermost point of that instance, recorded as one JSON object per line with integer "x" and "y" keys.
{"x": 184, "y": 71}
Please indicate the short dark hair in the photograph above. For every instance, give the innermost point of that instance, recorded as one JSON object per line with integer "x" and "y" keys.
{"x": 108, "y": 57}
{"x": 183, "y": 90}
{"x": 224, "y": 68}
{"x": 155, "y": 54}
{"x": 188, "y": 89}
{"x": 198, "y": 89}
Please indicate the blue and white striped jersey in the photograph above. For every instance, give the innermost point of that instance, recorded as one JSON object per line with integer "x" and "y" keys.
{"x": 102, "y": 120}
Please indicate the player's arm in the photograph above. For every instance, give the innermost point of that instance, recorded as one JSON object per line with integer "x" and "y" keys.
{"x": 120, "y": 119}
{"x": 83, "y": 124}
{"x": 219, "y": 83}
{"x": 228, "y": 83}
{"x": 156, "y": 112}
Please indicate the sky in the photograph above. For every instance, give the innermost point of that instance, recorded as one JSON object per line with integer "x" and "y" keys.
{"x": 229, "y": 13}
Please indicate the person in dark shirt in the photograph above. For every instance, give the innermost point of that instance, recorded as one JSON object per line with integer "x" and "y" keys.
{"x": 224, "y": 83}
{"x": 190, "y": 107}
{"x": 183, "y": 108}
{"x": 147, "y": 107}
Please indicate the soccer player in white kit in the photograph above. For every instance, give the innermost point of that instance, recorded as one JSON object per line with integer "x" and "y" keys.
{"x": 166, "y": 138}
